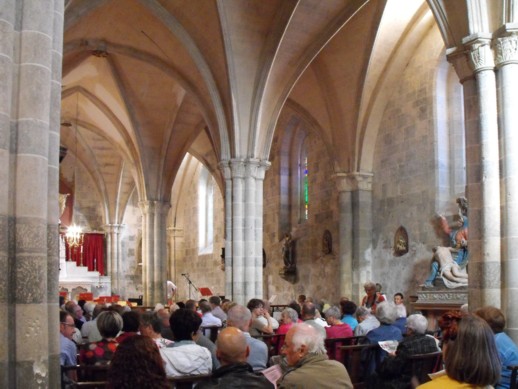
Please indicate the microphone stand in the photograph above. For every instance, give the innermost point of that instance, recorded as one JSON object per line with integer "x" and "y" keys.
{"x": 191, "y": 284}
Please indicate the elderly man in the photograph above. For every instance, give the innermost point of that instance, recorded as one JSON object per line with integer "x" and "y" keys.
{"x": 240, "y": 317}
{"x": 208, "y": 319}
{"x": 89, "y": 329}
{"x": 68, "y": 349}
{"x": 308, "y": 314}
{"x": 215, "y": 304}
{"x": 395, "y": 371}
{"x": 232, "y": 352}
{"x": 306, "y": 355}
{"x": 366, "y": 322}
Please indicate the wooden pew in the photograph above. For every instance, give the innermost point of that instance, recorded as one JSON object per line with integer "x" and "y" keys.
{"x": 333, "y": 345}
{"x": 360, "y": 361}
{"x": 514, "y": 376}
{"x": 424, "y": 364}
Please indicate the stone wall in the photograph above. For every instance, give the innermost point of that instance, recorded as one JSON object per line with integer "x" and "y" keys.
{"x": 317, "y": 274}
{"x": 405, "y": 183}
{"x": 204, "y": 270}
{"x": 131, "y": 249}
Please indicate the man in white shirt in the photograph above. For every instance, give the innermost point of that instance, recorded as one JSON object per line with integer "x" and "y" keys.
{"x": 207, "y": 318}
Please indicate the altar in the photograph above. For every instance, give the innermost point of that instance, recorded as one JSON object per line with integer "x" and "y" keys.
{"x": 75, "y": 279}
{"x": 433, "y": 302}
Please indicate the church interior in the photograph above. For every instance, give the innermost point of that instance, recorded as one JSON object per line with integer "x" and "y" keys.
{"x": 194, "y": 136}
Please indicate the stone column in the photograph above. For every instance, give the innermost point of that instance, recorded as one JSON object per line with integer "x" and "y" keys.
{"x": 259, "y": 213}
{"x": 238, "y": 224}
{"x": 249, "y": 231}
{"x": 30, "y": 91}
{"x": 483, "y": 181}
{"x": 355, "y": 229}
{"x": 507, "y": 78}
{"x": 113, "y": 256}
{"x": 154, "y": 275}
{"x": 227, "y": 174}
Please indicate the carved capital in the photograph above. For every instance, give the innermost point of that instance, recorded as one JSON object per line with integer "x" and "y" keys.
{"x": 506, "y": 49}
{"x": 238, "y": 167}
{"x": 460, "y": 62}
{"x": 226, "y": 170}
{"x": 350, "y": 182}
{"x": 480, "y": 55}
{"x": 113, "y": 228}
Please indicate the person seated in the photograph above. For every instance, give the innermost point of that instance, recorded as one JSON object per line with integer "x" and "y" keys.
{"x": 151, "y": 325}
{"x": 288, "y": 318}
{"x": 273, "y": 321}
{"x": 372, "y": 298}
{"x": 400, "y": 304}
{"x": 336, "y": 329}
{"x": 239, "y": 316}
{"x": 137, "y": 364}
{"x": 308, "y": 316}
{"x": 89, "y": 329}
{"x": 130, "y": 325}
{"x": 232, "y": 352}
{"x": 76, "y": 312}
{"x": 386, "y": 314}
{"x": 215, "y": 304}
{"x": 67, "y": 347}
{"x": 185, "y": 357}
{"x": 165, "y": 331}
{"x": 109, "y": 324}
{"x": 258, "y": 326}
{"x": 309, "y": 366}
{"x": 507, "y": 349}
{"x": 366, "y": 321}
{"x": 348, "y": 309}
{"x": 207, "y": 318}
{"x": 395, "y": 371}
{"x": 470, "y": 354}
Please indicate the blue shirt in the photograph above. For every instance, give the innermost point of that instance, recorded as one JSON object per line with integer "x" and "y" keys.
{"x": 349, "y": 319}
{"x": 67, "y": 352}
{"x": 508, "y": 353}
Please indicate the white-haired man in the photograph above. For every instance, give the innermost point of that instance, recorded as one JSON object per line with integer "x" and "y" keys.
{"x": 395, "y": 368}
{"x": 310, "y": 368}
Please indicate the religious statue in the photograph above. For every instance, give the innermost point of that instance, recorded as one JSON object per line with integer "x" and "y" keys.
{"x": 452, "y": 261}
{"x": 62, "y": 202}
{"x": 287, "y": 254}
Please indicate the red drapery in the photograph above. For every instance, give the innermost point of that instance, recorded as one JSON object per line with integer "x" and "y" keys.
{"x": 89, "y": 253}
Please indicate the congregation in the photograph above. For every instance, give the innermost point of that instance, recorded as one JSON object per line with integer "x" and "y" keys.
{"x": 228, "y": 345}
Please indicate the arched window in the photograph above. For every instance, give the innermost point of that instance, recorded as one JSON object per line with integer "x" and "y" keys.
{"x": 304, "y": 183}
{"x": 205, "y": 212}
{"x": 450, "y": 137}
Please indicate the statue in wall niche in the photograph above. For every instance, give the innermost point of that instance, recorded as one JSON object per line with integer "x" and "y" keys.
{"x": 287, "y": 255}
{"x": 327, "y": 243}
{"x": 400, "y": 242}
{"x": 62, "y": 202}
{"x": 451, "y": 262}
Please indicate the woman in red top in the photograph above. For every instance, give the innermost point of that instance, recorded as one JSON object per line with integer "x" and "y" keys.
{"x": 336, "y": 329}
{"x": 373, "y": 298}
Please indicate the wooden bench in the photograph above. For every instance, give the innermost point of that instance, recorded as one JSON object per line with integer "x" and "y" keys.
{"x": 360, "y": 360}
{"x": 274, "y": 343}
{"x": 514, "y": 376}
{"x": 424, "y": 364}
{"x": 333, "y": 345}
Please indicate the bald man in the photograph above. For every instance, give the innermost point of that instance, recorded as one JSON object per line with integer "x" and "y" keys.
{"x": 232, "y": 352}
{"x": 307, "y": 357}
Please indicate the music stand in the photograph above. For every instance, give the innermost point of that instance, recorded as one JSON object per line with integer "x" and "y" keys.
{"x": 205, "y": 292}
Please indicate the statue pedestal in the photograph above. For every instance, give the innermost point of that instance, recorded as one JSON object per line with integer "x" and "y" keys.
{"x": 433, "y": 302}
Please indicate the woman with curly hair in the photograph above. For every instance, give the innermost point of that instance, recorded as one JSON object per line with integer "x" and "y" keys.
{"x": 137, "y": 364}
{"x": 470, "y": 354}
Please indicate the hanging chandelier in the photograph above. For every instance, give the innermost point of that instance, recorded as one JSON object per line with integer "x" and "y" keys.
{"x": 74, "y": 235}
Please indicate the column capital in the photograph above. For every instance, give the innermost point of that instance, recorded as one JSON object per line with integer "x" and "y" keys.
{"x": 350, "y": 182}
{"x": 114, "y": 228}
{"x": 153, "y": 206}
{"x": 238, "y": 167}
{"x": 225, "y": 168}
{"x": 459, "y": 60}
{"x": 175, "y": 232}
{"x": 480, "y": 55}
{"x": 506, "y": 49}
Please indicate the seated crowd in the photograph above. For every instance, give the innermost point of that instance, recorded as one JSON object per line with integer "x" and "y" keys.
{"x": 254, "y": 349}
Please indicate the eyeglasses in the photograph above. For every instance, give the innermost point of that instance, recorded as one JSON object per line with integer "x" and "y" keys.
{"x": 69, "y": 325}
